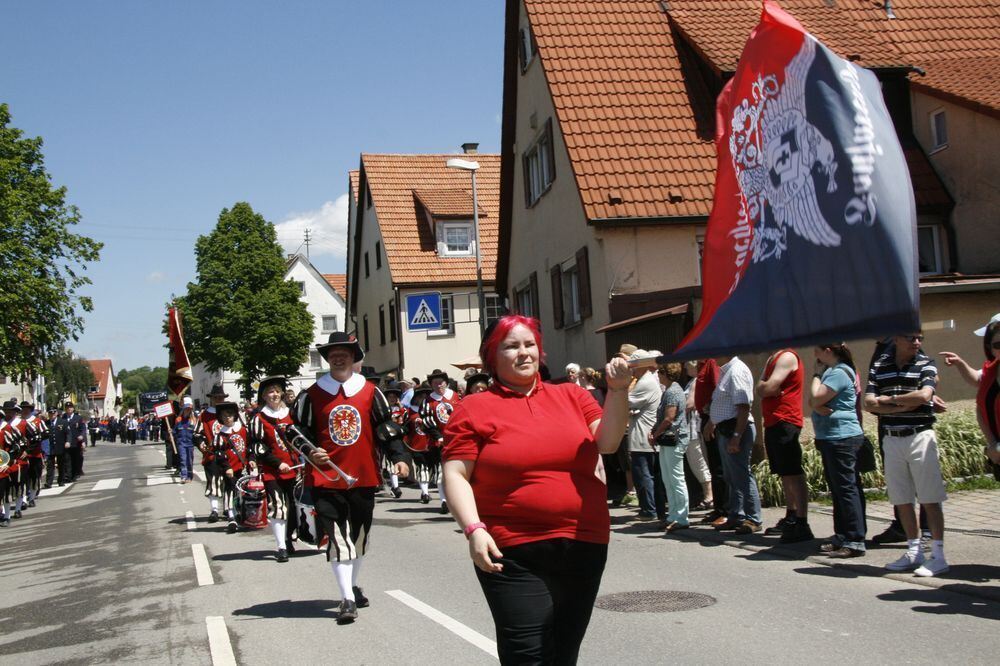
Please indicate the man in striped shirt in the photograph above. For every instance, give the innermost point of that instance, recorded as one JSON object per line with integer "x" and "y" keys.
{"x": 900, "y": 390}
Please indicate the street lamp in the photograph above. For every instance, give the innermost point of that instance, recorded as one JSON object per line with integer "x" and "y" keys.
{"x": 471, "y": 167}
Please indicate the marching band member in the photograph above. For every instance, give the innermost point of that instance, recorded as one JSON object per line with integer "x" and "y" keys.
{"x": 204, "y": 435}
{"x": 425, "y": 463}
{"x": 36, "y": 431}
{"x": 14, "y": 435}
{"x": 10, "y": 441}
{"x": 229, "y": 456}
{"x": 400, "y": 417}
{"x": 348, "y": 419}
{"x": 476, "y": 383}
{"x": 277, "y": 463}
{"x": 436, "y": 411}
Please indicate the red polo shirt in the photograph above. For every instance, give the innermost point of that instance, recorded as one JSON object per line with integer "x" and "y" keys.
{"x": 535, "y": 460}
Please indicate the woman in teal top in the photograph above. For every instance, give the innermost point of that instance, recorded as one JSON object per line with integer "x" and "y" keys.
{"x": 839, "y": 436}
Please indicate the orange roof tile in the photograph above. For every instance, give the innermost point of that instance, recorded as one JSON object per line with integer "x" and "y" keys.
{"x": 447, "y": 203}
{"x": 354, "y": 175}
{"x": 972, "y": 82}
{"x": 339, "y": 283}
{"x": 100, "y": 368}
{"x": 409, "y": 245}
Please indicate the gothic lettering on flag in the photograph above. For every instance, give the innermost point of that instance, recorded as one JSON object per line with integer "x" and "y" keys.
{"x": 812, "y": 235}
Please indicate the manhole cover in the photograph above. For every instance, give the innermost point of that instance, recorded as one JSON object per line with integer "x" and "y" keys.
{"x": 654, "y": 601}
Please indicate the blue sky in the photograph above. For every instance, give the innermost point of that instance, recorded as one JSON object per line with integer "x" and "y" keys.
{"x": 156, "y": 115}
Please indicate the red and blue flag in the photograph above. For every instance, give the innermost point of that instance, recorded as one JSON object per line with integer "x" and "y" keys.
{"x": 812, "y": 235}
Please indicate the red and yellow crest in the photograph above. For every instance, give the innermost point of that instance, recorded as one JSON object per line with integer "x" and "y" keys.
{"x": 345, "y": 425}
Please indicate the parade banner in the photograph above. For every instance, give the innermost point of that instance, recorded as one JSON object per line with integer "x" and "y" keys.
{"x": 812, "y": 235}
{"x": 178, "y": 368}
{"x": 163, "y": 410}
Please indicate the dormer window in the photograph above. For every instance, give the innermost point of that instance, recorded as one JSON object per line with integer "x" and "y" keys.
{"x": 455, "y": 238}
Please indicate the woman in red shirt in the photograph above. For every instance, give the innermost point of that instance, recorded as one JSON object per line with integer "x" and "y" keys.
{"x": 519, "y": 466}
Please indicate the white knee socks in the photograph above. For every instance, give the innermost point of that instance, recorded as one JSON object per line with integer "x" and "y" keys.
{"x": 394, "y": 480}
{"x": 344, "y": 571}
{"x": 424, "y": 488}
{"x": 213, "y": 500}
{"x": 441, "y": 491}
{"x": 278, "y": 527}
{"x": 355, "y": 571}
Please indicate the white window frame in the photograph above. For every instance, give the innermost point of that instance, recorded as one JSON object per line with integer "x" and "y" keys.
{"x": 442, "y": 233}
{"x": 302, "y": 287}
{"x": 936, "y": 139}
{"x": 523, "y": 296}
{"x": 699, "y": 242}
{"x": 447, "y": 318}
{"x": 540, "y": 172}
{"x": 494, "y": 308}
{"x": 323, "y": 320}
{"x": 938, "y": 253}
{"x": 570, "y": 279}
{"x": 526, "y": 47}
{"x": 315, "y": 360}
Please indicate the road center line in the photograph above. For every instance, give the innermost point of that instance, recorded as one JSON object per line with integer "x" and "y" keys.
{"x": 201, "y": 565}
{"x": 218, "y": 641}
{"x": 448, "y": 622}
{"x": 191, "y": 524}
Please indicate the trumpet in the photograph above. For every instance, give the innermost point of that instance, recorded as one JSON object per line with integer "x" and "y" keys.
{"x": 299, "y": 443}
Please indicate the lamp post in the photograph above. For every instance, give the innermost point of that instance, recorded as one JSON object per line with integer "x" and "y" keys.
{"x": 471, "y": 167}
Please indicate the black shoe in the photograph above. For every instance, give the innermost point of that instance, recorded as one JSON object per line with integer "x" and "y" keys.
{"x": 425, "y": 498}
{"x": 17, "y": 514}
{"x": 359, "y": 597}
{"x": 290, "y": 546}
{"x": 779, "y": 527}
{"x": 890, "y": 535}
{"x": 845, "y": 553}
{"x": 397, "y": 493}
{"x": 61, "y": 484}
{"x": 32, "y": 504}
{"x": 282, "y": 555}
{"x": 348, "y": 612}
{"x": 444, "y": 508}
{"x": 231, "y": 527}
{"x": 797, "y": 532}
{"x": 47, "y": 486}
{"x": 213, "y": 517}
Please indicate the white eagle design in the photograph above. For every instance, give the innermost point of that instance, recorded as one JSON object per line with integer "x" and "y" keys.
{"x": 775, "y": 150}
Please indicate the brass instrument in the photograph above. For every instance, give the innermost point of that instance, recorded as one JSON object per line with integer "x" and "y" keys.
{"x": 299, "y": 443}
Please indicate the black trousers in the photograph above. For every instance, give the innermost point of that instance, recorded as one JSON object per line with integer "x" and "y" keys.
{"x": 75, "y": 462}
{"x": 720, "y": 492}
{"x": 60, "y": 460}
{"x": 542, "y": 600}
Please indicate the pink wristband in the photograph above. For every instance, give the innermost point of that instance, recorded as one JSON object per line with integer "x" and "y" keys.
{"x": 472, "y": 527}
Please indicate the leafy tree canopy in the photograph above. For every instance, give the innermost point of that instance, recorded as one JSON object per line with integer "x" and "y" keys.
{"x": 143, "y": 379}
{"x": 40, "y": 259}
{"x": 241, "y": 314}
{"x": 66, "y": 376}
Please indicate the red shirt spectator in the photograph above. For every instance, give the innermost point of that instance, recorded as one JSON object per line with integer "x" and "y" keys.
{"x": 707, "y": 380}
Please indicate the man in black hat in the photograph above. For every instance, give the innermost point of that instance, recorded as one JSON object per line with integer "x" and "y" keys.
{"x": 56, "y": 453}
{"x": 12, "y": 440}
{"x": 400, "y": 416}
{"x": 204, "y": 434}
{"x": 349, "y": 419}
{"x": 435, "y": 413}
{"x": 71, "y": 437}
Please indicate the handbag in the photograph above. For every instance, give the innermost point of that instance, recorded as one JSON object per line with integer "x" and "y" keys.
{"x": 866, "y": 457}
{"x": 666, "y": 438}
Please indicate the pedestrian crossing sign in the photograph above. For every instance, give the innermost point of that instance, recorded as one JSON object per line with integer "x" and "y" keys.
{"x": 423, "y": 312}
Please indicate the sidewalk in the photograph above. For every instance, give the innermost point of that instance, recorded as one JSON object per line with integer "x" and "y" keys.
{"x": 972, "y": 542}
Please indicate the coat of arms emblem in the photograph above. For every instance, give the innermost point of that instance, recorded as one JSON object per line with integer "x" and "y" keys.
{"x": 345, "y": 425}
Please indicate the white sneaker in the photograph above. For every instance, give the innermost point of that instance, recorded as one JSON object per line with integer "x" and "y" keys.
{"x": 932, "y": 567}
{"x": 907, "y": 562}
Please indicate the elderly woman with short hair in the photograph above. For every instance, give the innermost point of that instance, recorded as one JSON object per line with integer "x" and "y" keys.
{"x": 670, "y": 437}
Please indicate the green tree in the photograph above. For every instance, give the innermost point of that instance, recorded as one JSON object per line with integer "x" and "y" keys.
{"x": 40, "y": 259}
{"x": 143, "y": 379}
{"x": 66, "y": 376}
{"x": 241, "y": 314}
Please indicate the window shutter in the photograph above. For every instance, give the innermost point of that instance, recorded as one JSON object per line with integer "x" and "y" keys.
{"x": 551, "y": 149}
{"x": 526, "y": 171}
{"x": 557, "y": 304}
{"x": 533, "y": 290}
{"x": 583, "y": 276}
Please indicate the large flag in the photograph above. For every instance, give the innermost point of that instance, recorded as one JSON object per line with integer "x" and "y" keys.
{"x": 812, "y": 236}
{"x": 179, "y": 368}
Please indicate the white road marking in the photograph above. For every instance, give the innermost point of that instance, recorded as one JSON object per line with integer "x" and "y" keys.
{"x": 200, "y": 475}
{"x": 218, "y": 641}
{"x": 449, "y": 623}
{"x": 191, "y": 525}
{"x": 201, "y": 566}
{"x": 107, "y": 484}
{"x": 55, "y": 490}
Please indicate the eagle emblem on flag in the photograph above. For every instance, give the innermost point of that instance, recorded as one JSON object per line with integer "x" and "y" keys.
{"x": 345, "y": 425}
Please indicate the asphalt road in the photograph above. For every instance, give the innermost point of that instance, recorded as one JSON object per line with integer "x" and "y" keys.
{"x": 109, "y": 575}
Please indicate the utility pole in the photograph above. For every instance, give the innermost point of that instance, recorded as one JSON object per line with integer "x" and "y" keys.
{"x": 307, "y": 241}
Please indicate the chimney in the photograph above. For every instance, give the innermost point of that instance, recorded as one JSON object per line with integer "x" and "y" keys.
{"x": 887, "y": 5}
{"x": 470, "y": 148}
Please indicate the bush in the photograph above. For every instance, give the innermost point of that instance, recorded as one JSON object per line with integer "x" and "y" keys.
{"x": 960, "y": 446}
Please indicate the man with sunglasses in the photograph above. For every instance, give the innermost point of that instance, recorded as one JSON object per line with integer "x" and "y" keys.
{"x": 901, "y": 384}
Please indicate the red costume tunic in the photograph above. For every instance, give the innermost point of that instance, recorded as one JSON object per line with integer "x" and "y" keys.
{"x": 418, "y": 441}
{"x": 7, "y": 438}
{"x": 264, "y": 429}
{"x": 535, "y": 459}
{"x": 233, "y": 443}
{"x": 20, "y": 426}
{"x": 442, "y": 406}
{"x": 38, "y": 431}
{"x": 208, "y": 427}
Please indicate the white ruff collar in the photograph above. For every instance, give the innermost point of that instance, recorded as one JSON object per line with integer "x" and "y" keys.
{"x": 448, "y": 393}
{"x": 279, "y": 414}
{"x": 210, "y": 410}
{"x": 351, "y": 387}
{"x": 236, "y": 427}
{"x": 16, "y": 420}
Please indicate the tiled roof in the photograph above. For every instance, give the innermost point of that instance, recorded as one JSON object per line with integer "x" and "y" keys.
{"x": 355, "y": 176}
{"x": 100, "y": 368}
{"x": 974, "y": 82}
{"x": 624, "y": 108}
{"x": 409, "y": 245}
{"x": 719, "y": 29}
{"x": 447, "y": 203}
{"x": 339, "y": 283}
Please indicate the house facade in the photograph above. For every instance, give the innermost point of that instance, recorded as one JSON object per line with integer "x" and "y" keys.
{"x": 608, "y": 160}
{"x": 324, "y": 297}
{"x": 104, "y": 397}
{"x": 411, "y": 231}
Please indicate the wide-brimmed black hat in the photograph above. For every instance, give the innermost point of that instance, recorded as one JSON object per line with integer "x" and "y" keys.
{"x": 217, "y": 392}
{"x": 478, "y": 378}
{"x": 11, "y": 406}
{"x": 27, "y": 403}
{"x": 394, "y": 387}
{"x": 341, "y": 339}
{"x": 223, "y": 406}
{"x": 271, "y": 380}
{"x": 437, "y": 374}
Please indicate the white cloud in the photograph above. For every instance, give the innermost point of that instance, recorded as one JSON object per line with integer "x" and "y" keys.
{"x": 156, "y": 277}
{"x": 328, "y": 227}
